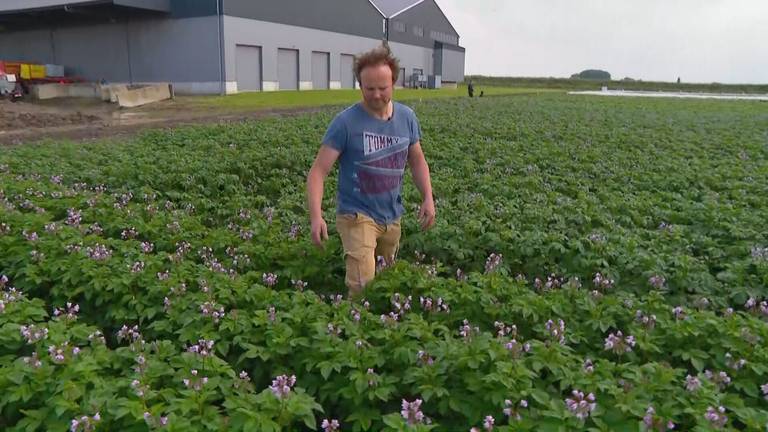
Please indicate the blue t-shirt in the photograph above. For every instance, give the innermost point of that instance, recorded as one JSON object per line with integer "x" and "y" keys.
{"x": 372, "y": 162}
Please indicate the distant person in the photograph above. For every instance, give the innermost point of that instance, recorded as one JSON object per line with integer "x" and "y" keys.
{"x": 373, "y": 140}
{"x": 678, "y": 80}
{"x": 482, "y": 92}
{"x": 471, "y": 89}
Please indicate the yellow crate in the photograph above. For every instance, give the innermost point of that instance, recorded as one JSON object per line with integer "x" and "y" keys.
{"x": 32, "y": 71}
{"x": 37, "y": 71}
{"x": 26, "y": 71}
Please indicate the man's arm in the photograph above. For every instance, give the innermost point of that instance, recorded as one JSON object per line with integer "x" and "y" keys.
{"x": 324, "y": 161}
{"x": 420, "y": 169}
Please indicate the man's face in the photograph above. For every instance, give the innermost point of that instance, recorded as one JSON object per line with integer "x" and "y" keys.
{"x": 376, "y": 83}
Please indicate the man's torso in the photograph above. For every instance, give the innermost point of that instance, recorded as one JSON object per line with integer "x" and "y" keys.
{"x": 372, "y": 160}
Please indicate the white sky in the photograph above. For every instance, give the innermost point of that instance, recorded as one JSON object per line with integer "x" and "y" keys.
{"x": 654, "y": 40}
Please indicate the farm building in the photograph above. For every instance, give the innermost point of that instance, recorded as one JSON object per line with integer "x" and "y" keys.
{"x": 218, "y": 46}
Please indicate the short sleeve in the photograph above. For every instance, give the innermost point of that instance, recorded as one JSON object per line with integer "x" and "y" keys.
{"x": 336, "y": 135}
{"x": 415, "y": 129}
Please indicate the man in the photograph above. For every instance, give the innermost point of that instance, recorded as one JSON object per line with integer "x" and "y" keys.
{"x": 471, "y": 89}
{"x": 373, "y": 140}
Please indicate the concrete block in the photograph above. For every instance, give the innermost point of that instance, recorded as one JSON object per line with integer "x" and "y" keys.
{"x": 231, "y": 87}
{"x": 48, "y": 91}
{"x": 108, "y": 92}
{"x": 83, "y": 90}
{"x": 141, "y": 96}
{"x": 104, "y": 93}
{"x": 114, "y": 89}
{"x": 56, "y": 90}
{"x": 270, "y": 86}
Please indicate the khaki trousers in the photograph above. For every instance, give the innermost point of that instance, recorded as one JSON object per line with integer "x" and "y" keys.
{"x": 364, "y": 240}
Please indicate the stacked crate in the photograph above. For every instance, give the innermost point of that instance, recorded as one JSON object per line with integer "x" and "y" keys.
{"x": 32, "y": 71}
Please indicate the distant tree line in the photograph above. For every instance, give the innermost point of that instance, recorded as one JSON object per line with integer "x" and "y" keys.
{"x": 625, "y": 84}
{"x": 592, "y": 74}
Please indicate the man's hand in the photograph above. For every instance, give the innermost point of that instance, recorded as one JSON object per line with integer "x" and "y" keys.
{"x": 427, "y": 214}
{"x": 420, "y": 170}
{"x": 319, "y": 232}
{"x": 324, "y": 161}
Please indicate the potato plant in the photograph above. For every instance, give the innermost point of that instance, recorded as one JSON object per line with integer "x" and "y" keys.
{"x": 597, "y": 265}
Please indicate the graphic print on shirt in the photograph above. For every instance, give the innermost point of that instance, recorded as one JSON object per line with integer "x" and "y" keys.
{"x": 383, "y": 165}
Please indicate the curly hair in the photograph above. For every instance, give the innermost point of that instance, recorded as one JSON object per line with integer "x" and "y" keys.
{"x": 381, "y": 55}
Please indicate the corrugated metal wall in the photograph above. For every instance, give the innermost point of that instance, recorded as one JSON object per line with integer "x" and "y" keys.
{"x": 428, "y": 17}
{"x": 452, "y": 65}
{"x": 354, "y": 17}
{"x": 186, "y": 50}
{"x": 145, "y": 50}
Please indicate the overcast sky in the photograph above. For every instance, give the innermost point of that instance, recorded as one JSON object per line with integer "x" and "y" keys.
{"x": 653, "y": 40}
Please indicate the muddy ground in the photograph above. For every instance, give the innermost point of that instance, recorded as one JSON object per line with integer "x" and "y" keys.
{"x": 83, "y": 119}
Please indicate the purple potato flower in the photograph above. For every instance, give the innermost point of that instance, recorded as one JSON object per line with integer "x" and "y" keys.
{"x": 579, "y": 405}
{"x": 692, "y": 383}
{"x": 619, "y": 344}
{"x": 330, "y": 425}
{"x": 282, "y": 385}
{"x": 716, "y": 417}
{"x": 493, "y": 262}
{"x": 411, "y": 412}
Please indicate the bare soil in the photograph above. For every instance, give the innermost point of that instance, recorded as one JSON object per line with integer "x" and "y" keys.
{"x": 84, "y": 119}
{"x": 22, "y": 115}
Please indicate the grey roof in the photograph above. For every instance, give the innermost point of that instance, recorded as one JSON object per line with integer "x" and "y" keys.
{"x": 32, "y": 5}
{"x": 390, "y": 8}
{"x": 12, "y": 5}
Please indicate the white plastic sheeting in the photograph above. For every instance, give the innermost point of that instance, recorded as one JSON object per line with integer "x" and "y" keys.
{"x": 725, "y": 96}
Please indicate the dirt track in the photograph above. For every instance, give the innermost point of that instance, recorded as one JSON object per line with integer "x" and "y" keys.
{"x": 81, "y": 120}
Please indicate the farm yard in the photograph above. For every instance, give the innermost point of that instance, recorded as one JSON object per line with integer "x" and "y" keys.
{"x": 597, "y": 264}
{"x": 83, "y": 119}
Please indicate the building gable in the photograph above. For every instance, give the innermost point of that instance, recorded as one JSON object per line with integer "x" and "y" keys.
{"x": 355, "y": 17}
{"x": 423, "y": 25}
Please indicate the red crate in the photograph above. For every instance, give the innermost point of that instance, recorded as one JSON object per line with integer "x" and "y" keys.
{"x": 12, "y": 68}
